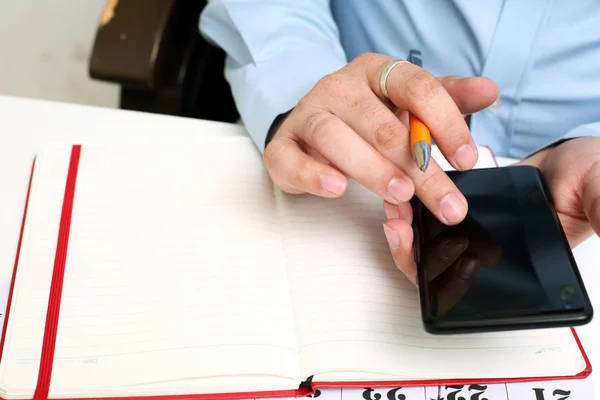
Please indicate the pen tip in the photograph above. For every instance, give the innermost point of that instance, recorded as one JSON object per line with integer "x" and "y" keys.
{"x": 422, "y": 154}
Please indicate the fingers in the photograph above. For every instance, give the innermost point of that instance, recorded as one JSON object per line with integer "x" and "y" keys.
{"x": 296, "y": 172}
{"x": 444, "y": 246}
{"x": 349, "y": 152}
{"x": 440, "y": 195}
{"x": 345, "y": 127}
{"x": 416, "y": 90}
{"x": 470, "y": 94}
{"x": 399, "y": 235}
{"x": 431, "y": 225}
{"x": 401, "y": 211}
{"x": 384, "y": 132}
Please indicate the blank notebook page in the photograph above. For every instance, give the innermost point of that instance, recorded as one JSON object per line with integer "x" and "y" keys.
{"x": 356, "y": 312}
{"x": 172, "y": 251}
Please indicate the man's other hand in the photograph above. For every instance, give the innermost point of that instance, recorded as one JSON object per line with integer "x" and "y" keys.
{"x": 572, "y": 170}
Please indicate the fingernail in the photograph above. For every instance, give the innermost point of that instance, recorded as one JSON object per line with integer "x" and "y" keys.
{"x": 465, "y": 157}
{"x": 467, "y": 268}
{"x": 392, "y": 237}
{"x": 453, "y": 209}
{"x": 334, "y": 184}
{"x": 400, "y": 190}
{"x": 454, "y": 248}
{"x": 391, "y": 211}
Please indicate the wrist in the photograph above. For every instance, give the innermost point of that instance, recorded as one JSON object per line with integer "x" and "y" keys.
{"x": 537, "y": 159}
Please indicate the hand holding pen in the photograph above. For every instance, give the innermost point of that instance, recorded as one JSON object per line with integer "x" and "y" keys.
{"x": 347, "y": 127}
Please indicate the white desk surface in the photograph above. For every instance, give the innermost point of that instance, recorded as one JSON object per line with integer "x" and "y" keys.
{"x": 27, "y": 124}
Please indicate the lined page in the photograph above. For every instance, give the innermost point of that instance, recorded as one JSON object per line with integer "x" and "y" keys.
{"x": 174, "y": 273}
{"x": 356, "y": 312}
{"x": 27, "y": 316}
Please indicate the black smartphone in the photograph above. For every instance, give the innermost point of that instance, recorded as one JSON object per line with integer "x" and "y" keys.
{"x": 507, "y": 266}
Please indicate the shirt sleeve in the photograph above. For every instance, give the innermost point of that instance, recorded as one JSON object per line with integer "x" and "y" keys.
{"x": 591, "y": 129}
{"x": 276, "y": 50}
{"x": 586, "y": 130}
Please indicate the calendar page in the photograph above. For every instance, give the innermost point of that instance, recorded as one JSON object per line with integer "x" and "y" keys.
{"x": 580, "y": 389}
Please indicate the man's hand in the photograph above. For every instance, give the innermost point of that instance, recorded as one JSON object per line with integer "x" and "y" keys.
{"x": 572, "y": 171}
{"x": 345, "y": 127}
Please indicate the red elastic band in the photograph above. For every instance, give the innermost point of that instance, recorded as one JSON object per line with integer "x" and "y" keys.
{"x": 49, "y": 343}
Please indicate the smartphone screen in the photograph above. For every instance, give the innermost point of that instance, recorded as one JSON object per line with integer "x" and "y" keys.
{"x": 507, "y": 265}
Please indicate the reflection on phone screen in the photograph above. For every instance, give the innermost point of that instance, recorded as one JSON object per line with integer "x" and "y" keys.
{"x": 507, "y": 257}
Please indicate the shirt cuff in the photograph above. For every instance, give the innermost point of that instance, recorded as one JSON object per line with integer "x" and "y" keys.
{"x": 266, "y": 89}
{"x": 586, "y": 130}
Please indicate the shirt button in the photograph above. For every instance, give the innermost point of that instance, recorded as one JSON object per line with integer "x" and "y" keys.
{"x": 495, "y": 106}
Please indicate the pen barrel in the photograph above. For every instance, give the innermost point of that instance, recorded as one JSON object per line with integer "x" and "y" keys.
{"x": 418, "y": 131}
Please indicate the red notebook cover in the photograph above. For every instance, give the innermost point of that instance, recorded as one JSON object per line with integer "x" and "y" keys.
{"x": 52, "y": 318}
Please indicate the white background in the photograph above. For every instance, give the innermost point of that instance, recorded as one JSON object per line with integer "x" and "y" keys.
{"x": 44, "y": 51}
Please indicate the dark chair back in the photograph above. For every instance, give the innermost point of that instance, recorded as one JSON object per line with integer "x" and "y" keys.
{"x": 154, "y": 51}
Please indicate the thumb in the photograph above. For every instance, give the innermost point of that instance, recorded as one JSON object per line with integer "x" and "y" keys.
{"x": 470, "y": 94}
{"x": 400, "y": 237}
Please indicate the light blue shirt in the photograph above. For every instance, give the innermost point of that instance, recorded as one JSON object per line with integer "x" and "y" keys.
{"x": 544, "y": 55}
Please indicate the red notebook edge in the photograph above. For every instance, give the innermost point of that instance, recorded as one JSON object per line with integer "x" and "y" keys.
{"x": 442, "y": 382}
{"x": 303, "y": 390}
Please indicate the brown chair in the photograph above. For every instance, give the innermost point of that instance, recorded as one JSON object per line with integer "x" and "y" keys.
{"x": 154, "y": 51}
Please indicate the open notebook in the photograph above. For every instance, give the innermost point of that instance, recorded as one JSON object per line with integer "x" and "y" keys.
{"x": 179, "y": 269}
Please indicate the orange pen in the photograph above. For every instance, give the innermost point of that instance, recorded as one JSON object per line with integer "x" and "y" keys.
{"x": 420, "y": 137}
{"x": 420, "y": 142}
